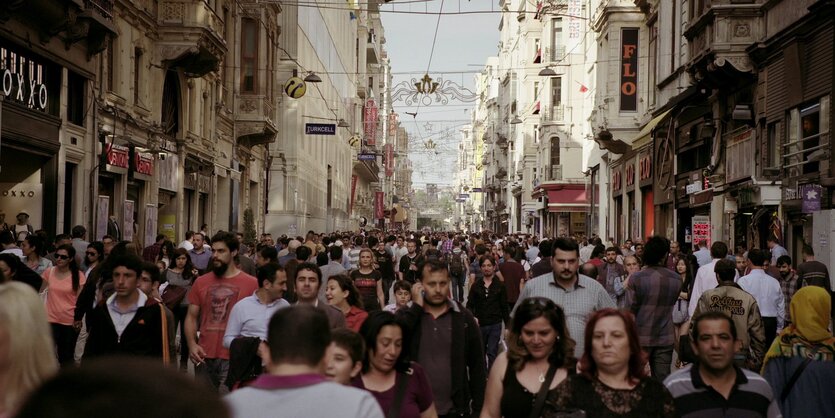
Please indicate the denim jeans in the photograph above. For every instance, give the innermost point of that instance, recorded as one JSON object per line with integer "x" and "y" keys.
{"x": 65, "y": 337}
{"x": 458, "y": 287}
{"x": 213, "y": 372}
{"x": 660, "y": 360}
{"x": 490, "y": 335}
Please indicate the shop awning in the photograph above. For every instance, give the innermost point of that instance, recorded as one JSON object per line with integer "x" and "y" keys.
{"x": 645, "y": 135}
{"x": 568, "y": 200}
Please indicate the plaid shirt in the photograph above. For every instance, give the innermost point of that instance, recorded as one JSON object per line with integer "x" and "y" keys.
{"x": 651, "y": 294}
{"x": 446, "y": 248}
{"x": 789, "y": 287}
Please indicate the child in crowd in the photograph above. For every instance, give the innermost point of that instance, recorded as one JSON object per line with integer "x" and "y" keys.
{"x": 402, "y": 296}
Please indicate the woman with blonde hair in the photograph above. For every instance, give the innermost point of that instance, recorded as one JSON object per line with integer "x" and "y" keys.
{"x": 27, "y": 359}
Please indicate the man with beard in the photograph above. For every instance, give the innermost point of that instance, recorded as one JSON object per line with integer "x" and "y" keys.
{"x": 210, "y": 301}
{"x": 385, "y": 265}
{"x": 410, "y": 263}
{"x": 577, "y": 294}
{"x": 610, "y": 272}
{"x": 446, "y": 341}
{"x": 788, "y": 282}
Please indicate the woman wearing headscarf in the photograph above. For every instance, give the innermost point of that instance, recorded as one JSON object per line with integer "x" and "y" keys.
{"x": 800, "y": 365}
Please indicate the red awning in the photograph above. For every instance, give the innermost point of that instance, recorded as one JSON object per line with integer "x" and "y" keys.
{"x": 568, "y": 200}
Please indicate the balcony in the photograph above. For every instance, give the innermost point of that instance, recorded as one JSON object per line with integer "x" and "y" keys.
{"x": 368, "y": 170}
{"x": 555, "y": 54}
{"x": 372, "y": 49}
{"x": 553, "y": 173}
{"x": 190, "y": 37}
{"x": 552, "y": 114}
{"x": 253, "y": 119}
{"x": 77, "y": 20}
{"x": 719, "y": 36}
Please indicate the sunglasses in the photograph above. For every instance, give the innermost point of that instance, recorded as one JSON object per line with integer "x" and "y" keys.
{"x": 539, "y": 301}
{"x": 94, "y": 254}
{"x": 62, "y": 257}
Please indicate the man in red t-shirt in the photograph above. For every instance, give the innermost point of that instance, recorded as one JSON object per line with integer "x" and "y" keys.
{"x": 211, "y": 299}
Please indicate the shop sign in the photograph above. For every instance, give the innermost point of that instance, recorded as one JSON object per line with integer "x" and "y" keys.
{"x": 371, "y": 114}
{"x": 366, "y": 157}
{"x": 630, "y": 175}
{"x": 143, "y": 163}
{"x": 694, "y": 187}
{"x": 22, "y": 80}
{"x": 319, "y": 129}
{"x": 169, "y": 172}
{"x": 463, "y": 196}
{"x": 629, "y": 69}
{"x": 200, "y": 182}
{"x": 392, "y": 124}
{"x": 645, "y": 168}
{"x": 811, "y": 195}
{"x": 701, "y": 229}
{"x": 116, "y": 157}
{"x": 379, "y": 206}
{"x": 476, "y": 190}
{"x": 389, "y": 161}
{"x": 617, "y": 181}
{"x": 790, "y": 193}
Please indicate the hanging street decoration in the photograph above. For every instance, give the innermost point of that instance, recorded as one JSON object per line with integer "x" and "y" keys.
{"x": 371, "y": 115}
{"x": 427, "y": 90}
{"x": 427, "y": 126}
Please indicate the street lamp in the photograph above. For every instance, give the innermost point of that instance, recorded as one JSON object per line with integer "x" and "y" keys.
{"x": 515, "y": 120}
{"x": 547, "y": 72}
{"x": 342, "y": 124}
{"x": 312, "y": 78}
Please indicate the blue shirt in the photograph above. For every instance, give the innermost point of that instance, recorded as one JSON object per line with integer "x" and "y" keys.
{"x": 201, "y": 260}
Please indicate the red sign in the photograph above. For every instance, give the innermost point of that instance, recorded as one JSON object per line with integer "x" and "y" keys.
{"x": 392, "y": 124}
{"x": 645, "y": 167}
{"x": 379, "y": 206}
{"x": 389, "y": 161}
{"x": 371, "y": 122}
{"x": 617, "y": 181}
{"x": 117, "y": 155}
{"x": 144, "y": 163}
{"x": 630, "y": 175}
{"x": 353, "y": 193}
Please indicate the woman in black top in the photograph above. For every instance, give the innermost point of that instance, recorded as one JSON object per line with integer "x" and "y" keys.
{"x": 537, "y": 339}
{"x": 488, "y": 303}
{"x": 368, "y": 281}
{"x": 612, "y": 380}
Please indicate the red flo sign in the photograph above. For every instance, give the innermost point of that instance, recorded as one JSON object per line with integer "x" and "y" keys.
{"x": 389, "y": 161}
{"x": 645, "y": 167}
{"x": 629, "y": 69}
{"x": 371, "y": 116}
{"x": 143, "y": 163}
{"x": 379, "y": 206}
{"x": 117, "y": 155}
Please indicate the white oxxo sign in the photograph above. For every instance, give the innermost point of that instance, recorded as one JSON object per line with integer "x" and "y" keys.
{"x": 22, "y": 80}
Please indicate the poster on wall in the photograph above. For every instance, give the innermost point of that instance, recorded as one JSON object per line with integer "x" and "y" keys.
{"x": 150, "y": 224}
{"x": 166, "y": 226}
{"x": 22, "y": 197}
{"x": 127, "y": 223}
{"x": 701, "y": 229}
{"x": 102, "y": 215}
{"x": 578, "y": 222}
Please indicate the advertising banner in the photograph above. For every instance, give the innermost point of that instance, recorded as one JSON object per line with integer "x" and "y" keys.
{"x": 701, "y": 229}
{"x": 629, "y": 69}
{"x": 379, "y": 206}
{"x": 371, "y": 114}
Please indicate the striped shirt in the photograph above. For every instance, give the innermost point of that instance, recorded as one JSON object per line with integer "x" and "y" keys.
{"x": 579, "y": 302}
{"x": 751, "y": 396}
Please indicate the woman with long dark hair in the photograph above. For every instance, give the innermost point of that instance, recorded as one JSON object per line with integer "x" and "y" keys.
{"x": 178, "y": 277}
{"x": 34, "y": 250}
{"x": 63, "y": 283}
{"x": 15, "y": 270}
{"x": 166, "y": 253}
{"x": 613, "y": 380}
{"x": 488, "y": 303}
{"x": 681, "y": 319}
{"x": 343, "y": 295}
{"x": 386, "y": 370}
{"x": 539, "y": 352}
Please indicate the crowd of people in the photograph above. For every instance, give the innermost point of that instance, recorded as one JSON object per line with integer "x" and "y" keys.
{"x": 411, "y": 324}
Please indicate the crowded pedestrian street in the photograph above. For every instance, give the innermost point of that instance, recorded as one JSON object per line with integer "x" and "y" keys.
{"x": 417, "y": 208}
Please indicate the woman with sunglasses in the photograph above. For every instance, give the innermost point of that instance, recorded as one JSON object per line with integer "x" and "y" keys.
{"x": 539, "y": 352}
{"x": 488, "y": 303}
{"x": 63, "y": 283}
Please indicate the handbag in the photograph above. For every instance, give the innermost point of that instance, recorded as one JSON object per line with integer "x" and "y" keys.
{"x": 166, "y": 354}
{"x": 680, "y": 312}
{"x": 173, "y": 296}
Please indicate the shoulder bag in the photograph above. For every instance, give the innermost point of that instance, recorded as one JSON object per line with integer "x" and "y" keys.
{"x": 788, "y": 388}
{"x": 397, "y": 405}
{"x": 539, "y": 403}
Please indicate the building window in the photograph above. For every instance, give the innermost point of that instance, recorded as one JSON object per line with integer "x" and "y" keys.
{"x": 653, "y": 62}
{"x": 803, "y": 149}
{"x": 772, "y": 153}
{"x": 110, "y": 64}
{"x": 137, "y": 74}
{"x": 75, "y": 98}
{"x": 557, "y": 48}
{"x": 249, "y": 54}
{"x": 555, "y": 151}
{"x": 556, "y": 91}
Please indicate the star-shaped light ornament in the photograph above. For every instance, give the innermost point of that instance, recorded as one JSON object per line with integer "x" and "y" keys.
{"x": 811, "y": 194}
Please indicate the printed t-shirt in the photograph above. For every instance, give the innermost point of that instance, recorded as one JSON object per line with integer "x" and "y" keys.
{"x": 60, "y": 299}
{"x": 367, "y": 287}
{"x": 216, "y": 297}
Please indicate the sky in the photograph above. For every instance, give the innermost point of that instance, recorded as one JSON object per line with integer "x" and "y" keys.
{"x": 463, "y": 44}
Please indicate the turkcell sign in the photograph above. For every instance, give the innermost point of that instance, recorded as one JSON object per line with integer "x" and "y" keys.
{"x": 463, "y": 196}
{"x": 320, "y": 129}
{"x": 366, "y": 157}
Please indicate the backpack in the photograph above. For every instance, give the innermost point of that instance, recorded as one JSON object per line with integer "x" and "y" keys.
{"x": 455, "y": 264}
{"x": 433, "y": 254}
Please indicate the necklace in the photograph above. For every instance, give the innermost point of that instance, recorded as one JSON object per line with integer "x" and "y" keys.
{"x": 541, "y": 377}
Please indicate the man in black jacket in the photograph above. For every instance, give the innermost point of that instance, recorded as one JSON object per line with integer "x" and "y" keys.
{"x": 446, "y": 341}
{"x": 128, "y": 322}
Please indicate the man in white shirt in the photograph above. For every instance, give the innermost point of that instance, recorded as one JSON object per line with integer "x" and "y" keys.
{"x": 766, "y": 290}
{"x": 706, "y": 276}
{"x": 776, "y": 249}
{"x": 187, "y": 244}
{"x": 703, "y": 256}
